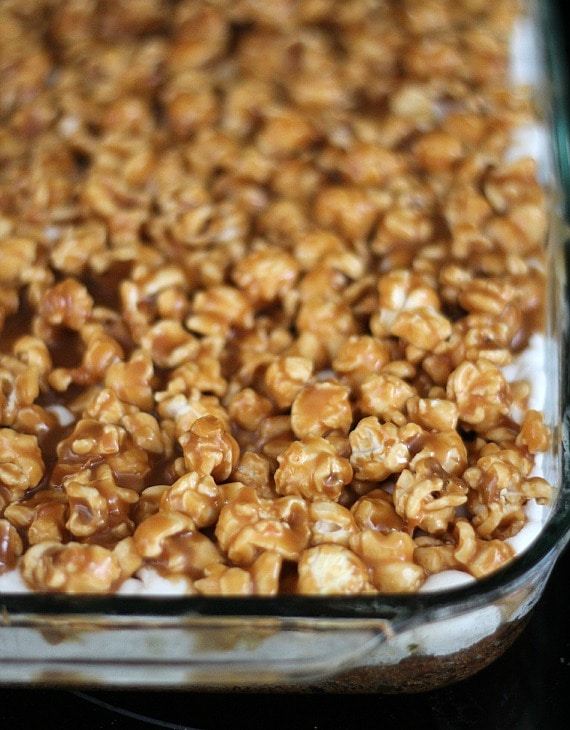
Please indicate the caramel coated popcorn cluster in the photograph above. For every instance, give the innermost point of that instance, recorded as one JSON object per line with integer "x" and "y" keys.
{"x": 262, "y": 265}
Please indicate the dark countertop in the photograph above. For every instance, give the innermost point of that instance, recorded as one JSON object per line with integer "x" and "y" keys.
{"x": 528, "y": 688}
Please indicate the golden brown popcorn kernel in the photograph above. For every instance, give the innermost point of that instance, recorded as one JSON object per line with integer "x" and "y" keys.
{"x": 67, "y": 304}
{"x": 128, "y": 558}
{"x": 385, "y": 395}
{"x": 266, "y": 274}
{"x": 402, "y": 226}
{"x": 172, "y": 303}
{"x": 254, "y": 350}
{"x": 189, "y": 110}
{"x": 320, "y": 408}
{"x": 370, "y": 164}
{"x": 255, "y": 470}
{"x": 307, "y": 345}
{"x": 97, "y": 504}
{"x": 331, "y": 523}
{"x": 201, "y": 33}
{"x": 171, "y": 541}
{"x": 381, "y": 449}
{"x": 325, "y": 282}
{"x": 466, "y": 210}
{"x": 124, "y": 208}
{"x": 94, "y": 441}
{"x": 511, "y": 183}
{"x": 21, "y": 463}
{"x": 437, "y": 151}
{"x": 169, "y": 344}
{"x": 401, "y": 290}
{"x": 435, "y": 555}
{"x": 314, "y": 246}
{"x": 486, "y": 296}
{"x": 375, "y": 511}
{"x": 18, "y": 255}
{"x": 282, "y": 220}
{"x": 286, "y": 377}
{"x": 446, "y": 447}
{"x": 12, "y": 546}
{"x": 500, "y": 487}
{"x": 71, "y": 568}
{"x": 433, "y": 55}
{"x": 20, "y": 386}
{"x": 423, "y": 327}
{"x": 249, "y": 525}
{"x": 347, "y": 210}
{"x": 412, "y": 101}
{"x": 429, "y": 16}
{"x": 209, "y": 448}
{"x": 183, "y": 408}
{"x": 249, "y": 409}
{"x": 359, "y": 357}
{"x": 534, "y": 434}
{"x": 145, "y": 432}
{"x": 261, "y": 578}
{"x": 148, "y": 503}
{"x": 477, "y": 337}
{"x": 132, "y": 380}
{"x": 105, "y": 406}
{"x": 390, "y": 559}
{"x": 523, "y": 230}
{"x": 330, "y": 321}
{"x": 152, "y": 281}
{"x": 196, "y": 495}
{"x": 92, "y": 437}
{"x": 37, "y": 421}
{"x": 244, "y": 102}
{"x": 297, "y": 178}
{"x": 428, "y": 500}
{"x": 468, "y": 240}
{"x": 312, "y": 468}
{"x": 218, "y": 309}
{"x": 480, "y": 557}
{"x": 76, "y": 246}
{"x": 451, "y": 353}
{"x": 35, "y": 354}
{"x": 204, "y": 372}
{"x": 285, "y": 132}
{"x": 432, "y": 414}
{"x": 537, "y": 488}
{"x": 329, "y": 569}
{"x": 481, "y": 393}
{"x": 42, "y": 517}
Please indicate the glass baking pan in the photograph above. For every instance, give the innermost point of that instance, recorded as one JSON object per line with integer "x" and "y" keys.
{"x": 374, "y": 642}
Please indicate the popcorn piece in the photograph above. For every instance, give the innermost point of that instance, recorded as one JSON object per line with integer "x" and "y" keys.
{"x": 332, "y": 569}
{"x": 21, "y": 463}
{"x": 312, "y": 468}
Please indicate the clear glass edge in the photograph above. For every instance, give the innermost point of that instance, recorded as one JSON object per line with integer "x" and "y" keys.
{"x": 535, "y": 562}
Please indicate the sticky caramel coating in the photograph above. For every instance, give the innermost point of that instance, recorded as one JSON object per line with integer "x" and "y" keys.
{"x": 262, "y": 265}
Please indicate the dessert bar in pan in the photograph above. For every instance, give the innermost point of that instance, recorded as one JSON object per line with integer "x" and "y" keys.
{"x": 282, "y": 331}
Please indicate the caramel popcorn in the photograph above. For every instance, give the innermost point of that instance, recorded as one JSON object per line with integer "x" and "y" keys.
{"x": 332, "y": 568}
{"x": 72, "y": 567}
{"x": 263, "y": 266}
{"x": 312, "y": 468}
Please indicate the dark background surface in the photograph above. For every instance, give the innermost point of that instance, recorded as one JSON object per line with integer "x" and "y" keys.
{"x": 528, "y": 688}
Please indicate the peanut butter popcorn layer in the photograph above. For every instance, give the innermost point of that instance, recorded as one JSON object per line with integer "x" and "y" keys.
{"x": 262, "y": 268}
